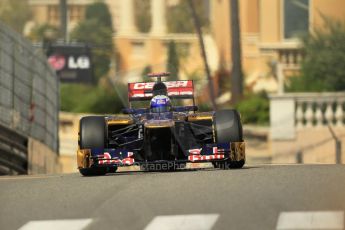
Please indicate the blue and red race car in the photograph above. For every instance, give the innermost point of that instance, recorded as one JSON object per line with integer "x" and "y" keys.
{"x": 162, "y": 136}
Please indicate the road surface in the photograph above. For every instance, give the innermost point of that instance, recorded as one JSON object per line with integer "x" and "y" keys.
{"x": 255, "y": 197}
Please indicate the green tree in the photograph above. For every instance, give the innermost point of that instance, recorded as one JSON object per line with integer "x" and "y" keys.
{"x": 179, "y": 17}
{"x": 223, "y": 78}
{"x": 90, "y": 99}
{"x": 143, "y": 15}
{"x": 254, "y": 108}
{"x": 97, "y": 31}
{"x": 15, "y": 13}
{"x": 173, "y": 64}
{"x": 100, "y": 12}
{"x": 323, "y": 67}
{"x": 44, "y": 32}
{"x": 145, "y": 72}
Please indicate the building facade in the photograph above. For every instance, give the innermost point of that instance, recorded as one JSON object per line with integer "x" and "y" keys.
{"x": 135, "y": 50}
{"x": 269, "y": 36}
{"x": 48, "y": 11}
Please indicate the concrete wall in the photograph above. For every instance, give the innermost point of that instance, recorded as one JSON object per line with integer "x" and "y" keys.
{"x": 315, "y": 144}
{"x": 42, "y": 160}
{"x": 68, "y": 134}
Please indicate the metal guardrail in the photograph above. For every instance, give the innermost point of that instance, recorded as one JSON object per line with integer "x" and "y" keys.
{"x": 13, "y": 152}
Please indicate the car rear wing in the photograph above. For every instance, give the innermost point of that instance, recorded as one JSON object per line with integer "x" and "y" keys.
{"x": 142, "y": 91}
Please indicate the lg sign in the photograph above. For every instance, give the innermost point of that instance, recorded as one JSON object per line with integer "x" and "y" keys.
{"x": 72, "y": 62}
{"x": 82, "y": 62}
{"x": 58, "y": 62}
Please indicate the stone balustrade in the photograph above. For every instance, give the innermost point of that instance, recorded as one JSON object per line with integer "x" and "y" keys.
{"x": 316, "y": 110}
{"x": 288, "y": 54}
{"x": 290, "y": 58}
{"x": 295, "y": 111}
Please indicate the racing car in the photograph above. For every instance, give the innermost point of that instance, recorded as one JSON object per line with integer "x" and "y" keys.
{"x": 162, "y": 136}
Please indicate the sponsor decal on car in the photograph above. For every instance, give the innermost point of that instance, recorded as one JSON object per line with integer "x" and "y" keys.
{"x": 169, "y": 84}
{"x": 106, "y": 158}
{"x": 175, "y": 88}
{"x": 195, "y": 154}
{"x": 161, "y": 101}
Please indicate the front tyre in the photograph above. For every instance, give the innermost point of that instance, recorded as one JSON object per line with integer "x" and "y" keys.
{"x": 228, "y": 129}
{"x": 97, "y": 171}
{"x": 237, "y": 164}
{"x": 93, "y": 171}
{"x": 92, "y": 132}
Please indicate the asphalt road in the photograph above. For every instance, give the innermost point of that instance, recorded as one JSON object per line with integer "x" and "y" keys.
{"x": 256, "y": 197}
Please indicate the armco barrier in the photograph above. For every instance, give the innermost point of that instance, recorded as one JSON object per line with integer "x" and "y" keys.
{"x": 29, "y": 96}
{"x": 13, "y": 152}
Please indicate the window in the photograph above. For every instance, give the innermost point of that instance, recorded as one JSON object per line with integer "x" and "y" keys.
{"x": 75, "y": 12}
{"x": 53, "y": 14}
{"x": 296, "y": 18}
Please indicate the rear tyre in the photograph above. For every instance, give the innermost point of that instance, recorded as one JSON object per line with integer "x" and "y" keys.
{"x": 93, "y": 132}
{"x": 228, "y": 128}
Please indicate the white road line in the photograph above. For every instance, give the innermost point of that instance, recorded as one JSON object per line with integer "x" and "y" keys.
{"x": 181, "y": 222}
{"x": 76, "y": 224}
{"x": 331, "y": 220}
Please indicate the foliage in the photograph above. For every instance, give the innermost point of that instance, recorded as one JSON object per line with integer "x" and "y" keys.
{"x": 254, "y": 108}
{"x": 44, "y": 32}
{"x": 323, "y": 68}
{"x": 97, "y": 31}
{"x": 179, "y": 17}
{"x": 89, "y": 99}
{"x": 204, "y": 107}
{"x": 145, "y": 72}
{"x": 100, "y": 12}
{"x": 224, "y": 80}
{"x": 15, "y": 13}
{"x": 173, "y": 64}
{"x": 143, "y": 15}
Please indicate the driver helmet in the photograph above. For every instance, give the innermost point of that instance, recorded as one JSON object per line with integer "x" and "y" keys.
{"x": 160, "y": 104}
